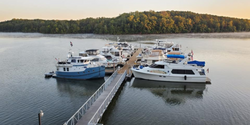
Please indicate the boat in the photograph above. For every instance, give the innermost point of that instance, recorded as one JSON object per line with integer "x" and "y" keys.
{"x": 78, "y": 67}
{"x": 150, "y": 57}
{"x": 113, "y": 56}
{"x": 167, "y": 46}
{"x": 50, "y": 74}
{"x": 95, "y": 54}
{"x": 127, "y": 50}
{"x": 176, "y": 68}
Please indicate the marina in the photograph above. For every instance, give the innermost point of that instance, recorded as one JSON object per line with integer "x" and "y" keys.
{"x": 138, "y": 101}
{"x": 93, "y": 109}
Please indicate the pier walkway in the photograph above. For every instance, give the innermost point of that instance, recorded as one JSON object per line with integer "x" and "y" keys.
{"x": 92, "y": 110}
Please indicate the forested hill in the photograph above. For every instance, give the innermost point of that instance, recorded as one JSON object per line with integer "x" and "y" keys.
{"x": 147, "y": 22}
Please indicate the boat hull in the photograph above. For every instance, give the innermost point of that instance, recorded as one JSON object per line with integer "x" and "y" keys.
{"x": 89, "y": 73}
{"x": 167, "y": 77}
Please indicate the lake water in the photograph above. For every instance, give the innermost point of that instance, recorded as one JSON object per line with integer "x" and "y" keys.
{"x": 24, "y": 91}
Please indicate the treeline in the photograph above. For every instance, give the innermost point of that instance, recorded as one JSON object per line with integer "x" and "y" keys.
{"x": 147, "y": 22}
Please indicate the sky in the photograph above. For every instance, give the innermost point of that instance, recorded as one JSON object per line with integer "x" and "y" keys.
{"x": 80, "y": 9}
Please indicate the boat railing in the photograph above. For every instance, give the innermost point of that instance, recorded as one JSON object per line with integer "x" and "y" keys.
{"x": 98, "y": 114}
{"x": 82, "y": 110}
{"x": 63, "y": 65}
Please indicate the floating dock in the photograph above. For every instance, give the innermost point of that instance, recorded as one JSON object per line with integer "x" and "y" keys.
{"x": 93, "y": 109}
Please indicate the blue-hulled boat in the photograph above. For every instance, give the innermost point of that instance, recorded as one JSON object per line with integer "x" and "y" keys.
{"x": 77, "y": 67}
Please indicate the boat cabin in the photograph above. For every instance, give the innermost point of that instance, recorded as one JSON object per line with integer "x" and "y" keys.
{"x": 83, "y": 54}
{"x": 92, "y": 52}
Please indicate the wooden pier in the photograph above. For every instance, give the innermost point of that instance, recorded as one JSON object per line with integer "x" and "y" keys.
{"x": 93, "y": 109}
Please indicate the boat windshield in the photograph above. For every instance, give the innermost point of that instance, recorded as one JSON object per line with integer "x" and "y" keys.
{"x": 108, "y": 57}
{"x": 156, "y": 66}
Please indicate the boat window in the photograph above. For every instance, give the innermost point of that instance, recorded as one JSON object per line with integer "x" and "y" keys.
{"x": 92, "y": 52}
{"x": 108, "y": 57}
{"x": 64, "y": 69}
{"x": 81, "y": 61}
{"x": 180, "y": 71}
{"x": 73, "y": 60}
{"x": 157, "y": 66}
{"x": 95, "y": 60}
{"x": 67, "y": 69}
{"x": 176, "y": 49}
{"x": 117, "y": 54}
{"x": 83, "y": 54}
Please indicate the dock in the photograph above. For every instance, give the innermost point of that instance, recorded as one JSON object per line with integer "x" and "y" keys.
{"x": 93, "y": 109}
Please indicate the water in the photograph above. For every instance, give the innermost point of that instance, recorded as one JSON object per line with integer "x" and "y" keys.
{"x": 24, "y": 91}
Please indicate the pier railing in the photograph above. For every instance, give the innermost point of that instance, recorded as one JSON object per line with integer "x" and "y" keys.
{"x": 98, "y": 114}
{"x": 80, "y": 112}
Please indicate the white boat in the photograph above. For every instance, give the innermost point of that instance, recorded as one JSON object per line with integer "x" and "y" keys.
{"x": 113, "y": 56}
{"x": 167, "y": 46}
{"x": 149, "y": 57}
{"x": 176, "y": 68}
{"x": 127, "y": 50}
{"x": 95, "y": 54}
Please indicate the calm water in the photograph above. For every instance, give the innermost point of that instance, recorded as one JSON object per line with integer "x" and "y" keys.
{"x": 24, "y": 91}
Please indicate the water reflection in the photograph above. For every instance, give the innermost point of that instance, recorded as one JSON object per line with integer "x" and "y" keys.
{"x": 78, "y": 88}
{"x": 172, "y": 93}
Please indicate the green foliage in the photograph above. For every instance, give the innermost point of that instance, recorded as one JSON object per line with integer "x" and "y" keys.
{"x": 147, "y": 22}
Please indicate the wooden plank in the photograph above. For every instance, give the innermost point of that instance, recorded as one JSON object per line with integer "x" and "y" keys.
{"x": 130, "y": 63}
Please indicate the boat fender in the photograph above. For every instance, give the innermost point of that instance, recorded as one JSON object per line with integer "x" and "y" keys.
{"x": 185, "y": 77}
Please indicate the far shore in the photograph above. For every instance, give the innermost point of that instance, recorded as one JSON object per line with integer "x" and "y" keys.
{"x": 130, "y": 37}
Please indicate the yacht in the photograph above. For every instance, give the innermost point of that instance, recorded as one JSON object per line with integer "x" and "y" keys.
{"x": 95, "y": 54}
{"x": 113, "y": 56}
{"x": 149, "y": 57}
{"x": 78, "y": 67}
{"x": 176, "y": 68}
{"x": 167, "y": 46}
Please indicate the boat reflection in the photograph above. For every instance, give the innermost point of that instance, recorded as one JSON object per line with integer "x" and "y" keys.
{"x": 78, "y": 88}
{"x": 172, "y": 93}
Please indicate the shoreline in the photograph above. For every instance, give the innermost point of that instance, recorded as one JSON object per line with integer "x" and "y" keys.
{"x": 130, "y": 37}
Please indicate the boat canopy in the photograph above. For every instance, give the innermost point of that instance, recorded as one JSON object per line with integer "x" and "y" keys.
{"x": 198, "y": 63}
{"x": 176, "y": 56}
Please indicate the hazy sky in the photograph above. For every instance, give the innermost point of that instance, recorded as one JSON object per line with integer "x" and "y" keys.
{"x": 80, "y": 9}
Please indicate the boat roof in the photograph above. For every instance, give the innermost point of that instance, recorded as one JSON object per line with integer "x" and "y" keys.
{"x": 91, "y": 50}
{"x": 87, "y": 58}
{"x": 176, "y": 65}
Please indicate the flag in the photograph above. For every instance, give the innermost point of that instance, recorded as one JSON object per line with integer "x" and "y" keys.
{"x": 71, "y": 44}
{"x": 192, "y": 55}
{"x": 56, "y": 59}
{"x": 207, "y": 70}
